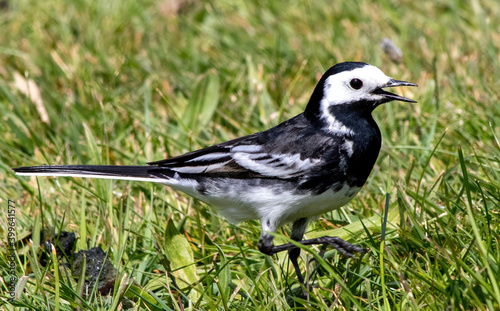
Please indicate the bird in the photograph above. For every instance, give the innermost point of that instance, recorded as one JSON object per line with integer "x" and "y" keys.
{"x": 306, "y": 166}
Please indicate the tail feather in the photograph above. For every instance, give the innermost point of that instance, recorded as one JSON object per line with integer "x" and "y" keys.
{"x": 141, "y": 173}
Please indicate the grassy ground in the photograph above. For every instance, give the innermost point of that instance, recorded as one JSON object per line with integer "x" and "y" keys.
{"x": 126, "y": 82}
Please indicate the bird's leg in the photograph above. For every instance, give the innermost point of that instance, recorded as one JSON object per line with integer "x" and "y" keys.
{"x": 266, "y": 240}
{"x": 267, "y": 247}
{"x": 298, "y": 229}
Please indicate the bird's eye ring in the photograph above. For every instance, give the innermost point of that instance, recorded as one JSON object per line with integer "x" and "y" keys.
{"x": 356, "y": 84}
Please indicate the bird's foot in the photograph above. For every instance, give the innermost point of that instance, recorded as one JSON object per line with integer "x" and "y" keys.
{"x": 345, "y": 248}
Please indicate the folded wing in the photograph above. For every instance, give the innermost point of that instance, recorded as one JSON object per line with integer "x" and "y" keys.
{"x": 240, "y": 160}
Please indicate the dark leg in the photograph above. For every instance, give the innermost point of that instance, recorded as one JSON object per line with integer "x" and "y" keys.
{"x": 267, "y": 247}
{"x": 298, "y": 229}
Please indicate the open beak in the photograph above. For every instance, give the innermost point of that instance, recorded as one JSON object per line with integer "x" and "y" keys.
{"x": 390, "y": 96}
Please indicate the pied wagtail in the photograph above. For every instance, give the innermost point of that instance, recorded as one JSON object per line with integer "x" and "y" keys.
{"x": 308, "y": 165}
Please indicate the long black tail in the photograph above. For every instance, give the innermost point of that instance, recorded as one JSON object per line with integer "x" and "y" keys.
{"x": 142, "y": 173}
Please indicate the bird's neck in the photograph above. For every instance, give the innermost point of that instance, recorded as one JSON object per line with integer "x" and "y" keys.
{"x": 345, "y": 119}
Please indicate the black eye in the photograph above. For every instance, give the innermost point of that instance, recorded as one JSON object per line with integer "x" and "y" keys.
{"x": 356, "y": 84}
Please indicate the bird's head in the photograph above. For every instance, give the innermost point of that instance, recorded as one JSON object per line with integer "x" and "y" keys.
{"x": 354, "y": 85}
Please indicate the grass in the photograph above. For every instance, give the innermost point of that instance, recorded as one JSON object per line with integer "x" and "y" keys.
{"x": 126, "y": 82}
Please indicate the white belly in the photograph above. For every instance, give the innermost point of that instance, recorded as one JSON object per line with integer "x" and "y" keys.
{"x": 280, "y": 208}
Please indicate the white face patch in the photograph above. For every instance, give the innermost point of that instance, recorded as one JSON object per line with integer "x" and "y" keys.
{"x": 338, "y": 90}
